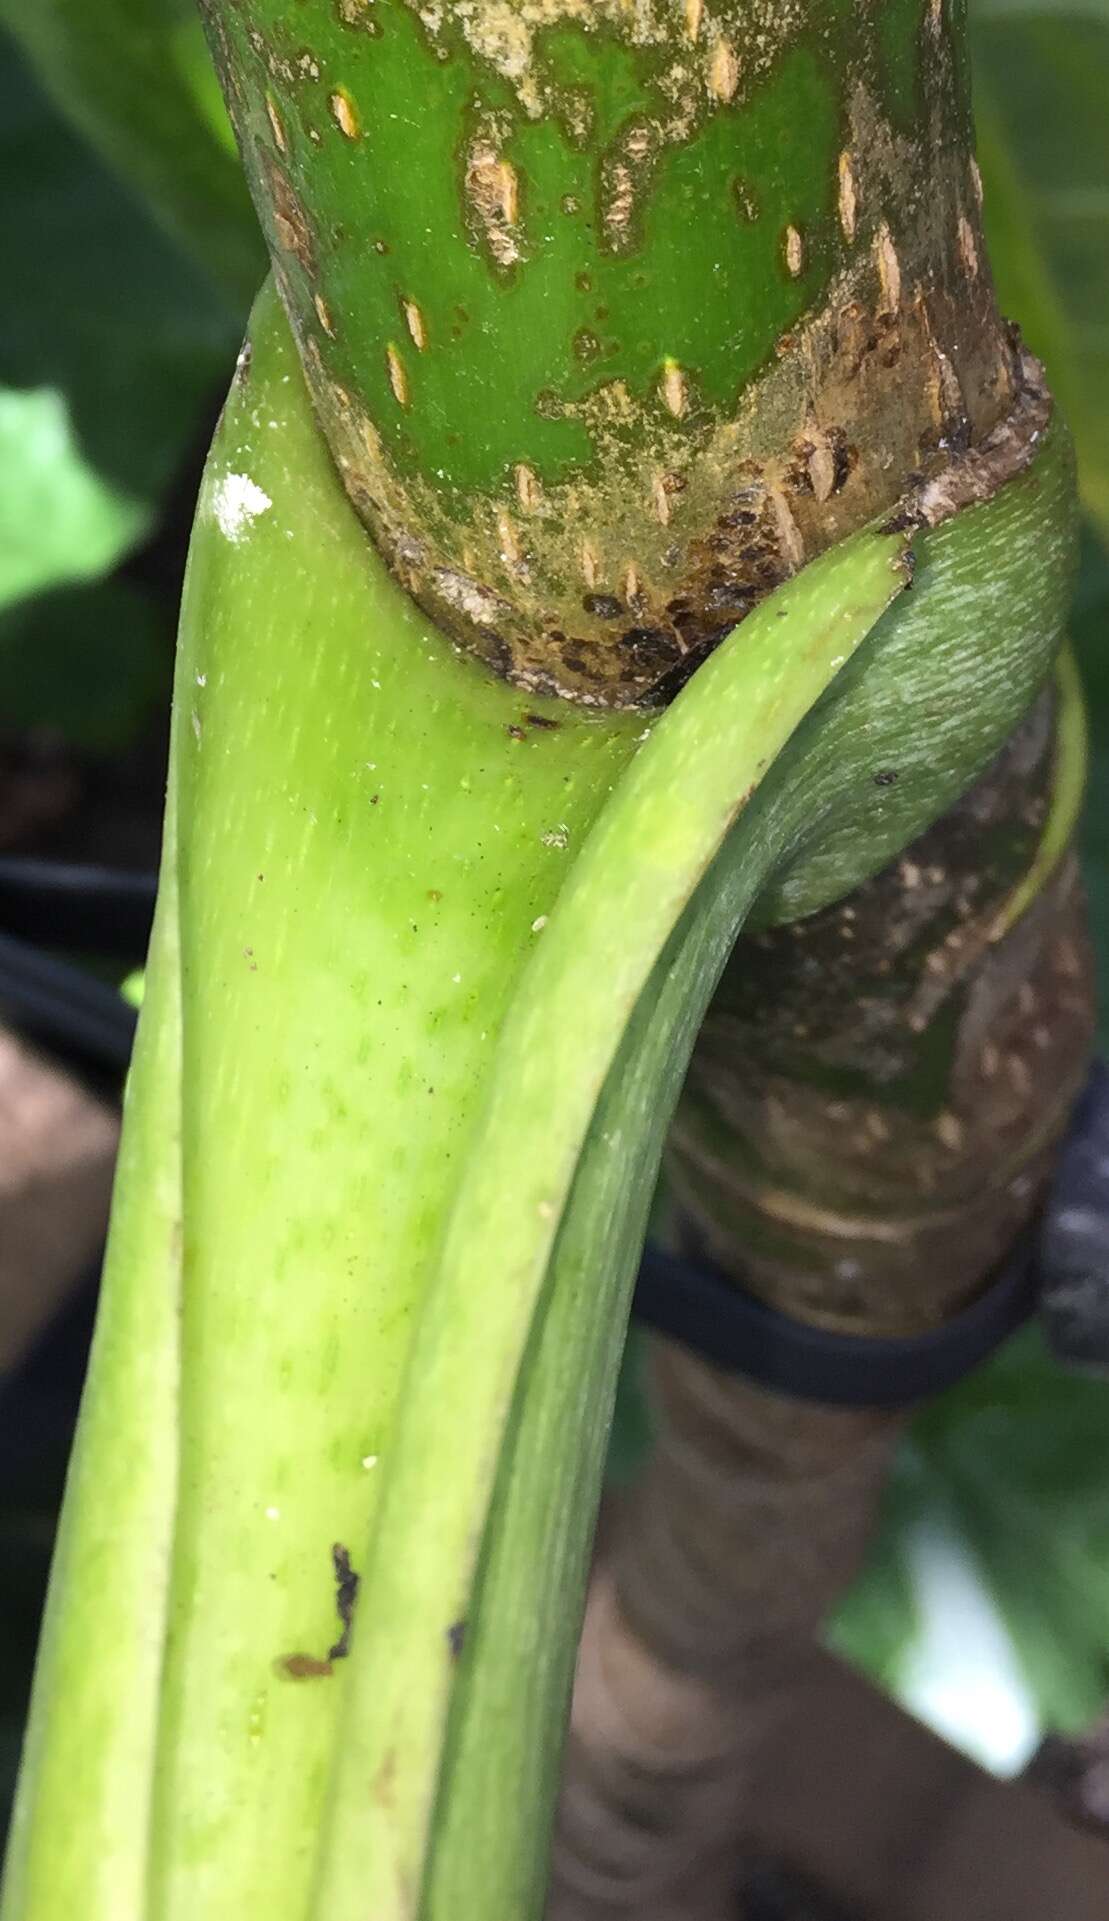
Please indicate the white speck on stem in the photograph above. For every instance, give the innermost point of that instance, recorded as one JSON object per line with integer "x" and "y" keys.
{"x": 236, "y": 501}
{"x": 537, "y": 926}
{"x": 369, "y": 1461}
{"x": 273, "y": 1514}
{"x": 202, "y": 680}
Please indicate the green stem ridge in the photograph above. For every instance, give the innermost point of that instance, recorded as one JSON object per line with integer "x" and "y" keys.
{"x": 442, "y": 955}
{"x": 102, "y": 1645}
{"x": 1068, "y": 792}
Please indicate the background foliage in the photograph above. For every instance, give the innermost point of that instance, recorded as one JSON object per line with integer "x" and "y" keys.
{"x": 131, "y": 252}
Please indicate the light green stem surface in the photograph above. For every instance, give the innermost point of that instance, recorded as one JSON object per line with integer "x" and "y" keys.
{"x": 431, "y": 957}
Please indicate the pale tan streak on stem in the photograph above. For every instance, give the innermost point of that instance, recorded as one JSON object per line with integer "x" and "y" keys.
{"x": 276, "y": 126}
{"x": 821, "y": 465}
{"x": 673, "y": 390}
{"x": 968, "y": 246}
{"x": 414, "y": 321}
{"x": 528, "y": 491}
{"x": 398, "y": 377}
{"x": 889, "y": 268}
{"x": 723, "y": 73}
{"x": 344, "y": 113}
{"x": 527, "y": 488}
{"x": 848, "y": 195}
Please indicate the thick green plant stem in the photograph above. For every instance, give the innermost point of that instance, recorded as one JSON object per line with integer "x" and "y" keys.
{"x": 372, "y": 834}
{"x": 442, "y": 953}
{"x": 521, "y": 1654}
{"x": 600, "y": 303}
{"x": 602, "y": 355}
{"x": 347, "y": 791}
{"x": 624, "y": 898}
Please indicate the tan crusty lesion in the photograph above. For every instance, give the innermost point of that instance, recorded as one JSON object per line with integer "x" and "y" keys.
{"x": 492, "y": 189}
{"x": 673, "y": 389}
{"x": 889, "y": 267}
{"x": 848, "y": 196}
{"x": 723, "y": 70}
{"x": 715, "y": 44}
{"x": 416, "y": 324}
{"x": 622, "y": 574}
{"x": 344, "y": 113}
{"x": 969, "y": 478}
{"x": 398, "y": 376}
{"x": 528, "y": 490}
{"x": 602, "y": 583}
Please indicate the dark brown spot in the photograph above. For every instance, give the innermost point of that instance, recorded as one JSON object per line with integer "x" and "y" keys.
{"x": 907, "y": 519}
{"x": 886, "y": 778}
{"x": 495, "y": 649}
{"x": 516, "y": 733}
{"x": 346, "y": 1594}
{"x": 304, "y": 1667}
{"x": 604, "y": 606}
{"x": 540, "y": 720}
{"x": 456, "y": 1638}
{"x": 646, "y": 640}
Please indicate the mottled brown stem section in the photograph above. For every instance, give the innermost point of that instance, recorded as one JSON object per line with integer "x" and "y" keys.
{"x": 616, "y": 312}
{"x": 869, "y": 1120}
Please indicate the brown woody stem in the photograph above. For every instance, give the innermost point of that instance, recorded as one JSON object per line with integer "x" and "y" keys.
{"x": 869, "y": 1120}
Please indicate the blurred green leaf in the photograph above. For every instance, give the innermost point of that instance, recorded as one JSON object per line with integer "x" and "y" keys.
{"x": 1015, "y": 1461}
{"x": 1041, "y": 75}
{"x": 135, "y": 77}
{"x": 114, "y": 352}
{"x": 90, "y": 664}
{"x": 59, "y": 522}
{"x": 97, "y": 304}
{"x": 1023, "y": 1453}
